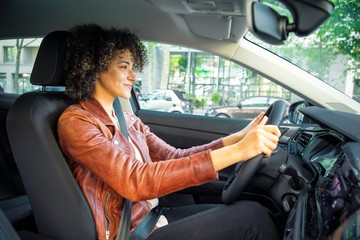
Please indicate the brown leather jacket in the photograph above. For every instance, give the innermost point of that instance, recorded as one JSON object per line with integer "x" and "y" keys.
{"x": 104, "y": 164}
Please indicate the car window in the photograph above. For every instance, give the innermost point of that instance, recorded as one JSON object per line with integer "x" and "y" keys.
{"x": 202, "y": 81}
{"x": 255, "y": 102}
{"x": 17, "y": 56}
{"x": 271, "y": 100}
{"x": 168, "y": 96}
{"x": 191, "y": 81}
{"x": 157, "y": 96}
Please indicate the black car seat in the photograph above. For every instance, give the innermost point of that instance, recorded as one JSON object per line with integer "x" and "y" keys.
{"x": 7, "y": 232}
{"x": 10, "y": 181}
{"x": 13, "y": 200}
{"x": 59, "y": 207}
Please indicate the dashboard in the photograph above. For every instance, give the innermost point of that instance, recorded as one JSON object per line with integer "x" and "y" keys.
{"x": 328, "y": 205}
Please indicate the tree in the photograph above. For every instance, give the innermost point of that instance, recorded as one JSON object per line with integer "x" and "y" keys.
{"x": 341, "y": 33}
{"x": 178, "y": 69}
{"x": 215, "y": 98}
{"x": 19, "y": 47}
{"x": 337, "y": 38}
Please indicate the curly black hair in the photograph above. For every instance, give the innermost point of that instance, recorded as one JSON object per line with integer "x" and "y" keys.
{"x": 90, "y": 48}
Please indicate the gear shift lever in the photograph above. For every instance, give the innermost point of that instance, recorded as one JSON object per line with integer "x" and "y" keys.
{"x": 296, "y": 182}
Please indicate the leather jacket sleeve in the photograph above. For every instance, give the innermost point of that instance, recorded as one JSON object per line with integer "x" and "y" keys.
{"x": 102, "y": 149}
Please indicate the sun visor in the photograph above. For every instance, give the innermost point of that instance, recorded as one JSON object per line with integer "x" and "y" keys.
{"x": 214, "y": 19}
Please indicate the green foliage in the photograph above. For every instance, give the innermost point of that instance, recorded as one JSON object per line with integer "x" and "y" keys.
{"x": 183, "y": 61}
{"x": 178, "y": 62}
{"x": 180, "y": 87}
{"x": 341, "y": 32}
{"x": 199, "y": 103}
{"x": 215, "y": 98}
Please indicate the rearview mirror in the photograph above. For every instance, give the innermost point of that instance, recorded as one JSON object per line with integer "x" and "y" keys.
{"x": 266, "y": 24}
{"x": 308, "y": 14}
{"x": 271, "y": 27}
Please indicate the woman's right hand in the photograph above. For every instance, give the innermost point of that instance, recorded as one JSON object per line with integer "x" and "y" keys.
{"x": 260, "y": 139}
{"x": 261, "y": 119}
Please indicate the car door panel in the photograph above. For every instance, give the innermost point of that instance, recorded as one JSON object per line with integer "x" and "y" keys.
{"x": 184, "y": 131}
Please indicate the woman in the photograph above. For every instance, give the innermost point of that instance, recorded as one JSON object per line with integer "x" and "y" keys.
{"x": 99, "y": 67}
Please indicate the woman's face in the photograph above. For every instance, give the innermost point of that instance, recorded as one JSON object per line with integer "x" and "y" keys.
{"x": 118, "y": 79}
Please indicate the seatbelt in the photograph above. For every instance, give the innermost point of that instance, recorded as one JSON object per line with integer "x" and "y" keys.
{"x": 148, "y": 223}
{"x": 124, "y": 226}
{"x": 120, "y": 116}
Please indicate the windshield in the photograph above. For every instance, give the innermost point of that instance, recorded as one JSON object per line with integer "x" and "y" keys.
{"x": 332, "y": 53}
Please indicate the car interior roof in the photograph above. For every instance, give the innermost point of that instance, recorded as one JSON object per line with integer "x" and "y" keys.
{"x": 182, "y": 21}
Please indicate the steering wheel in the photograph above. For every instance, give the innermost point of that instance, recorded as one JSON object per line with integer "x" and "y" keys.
{"x": 245, "y": 170}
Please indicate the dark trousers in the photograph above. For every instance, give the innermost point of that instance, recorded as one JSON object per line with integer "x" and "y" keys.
{"x": 240, "y": 220}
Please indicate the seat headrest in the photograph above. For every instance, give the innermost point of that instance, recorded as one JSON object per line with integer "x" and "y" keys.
{"x": 48, "y": 68}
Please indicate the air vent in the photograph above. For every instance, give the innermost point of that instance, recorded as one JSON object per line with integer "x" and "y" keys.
{"x": 304, "y": 139}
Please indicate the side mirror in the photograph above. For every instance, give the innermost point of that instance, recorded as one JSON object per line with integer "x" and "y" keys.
{"x": 295, "y": 116}
{"x": 239, "y": 106}
{"x": 168, "y": 99}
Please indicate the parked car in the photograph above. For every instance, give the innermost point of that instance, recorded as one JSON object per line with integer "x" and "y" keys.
{"x": 173, "y": 101}
{"x": 248, "y": 107}
{"x": 310, "y": 184}
{"x": 137, "y": 91}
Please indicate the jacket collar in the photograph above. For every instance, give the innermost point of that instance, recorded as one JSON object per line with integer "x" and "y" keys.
{"x": 94, "y": 107}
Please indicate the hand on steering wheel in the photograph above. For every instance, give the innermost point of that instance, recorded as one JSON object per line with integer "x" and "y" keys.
{"x": 245, "y": 170}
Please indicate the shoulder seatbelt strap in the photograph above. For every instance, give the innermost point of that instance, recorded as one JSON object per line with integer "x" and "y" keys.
{"x": 120, "y": 116}
{"x": 148, "y": 223}
{"x": 124, "y": 226}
